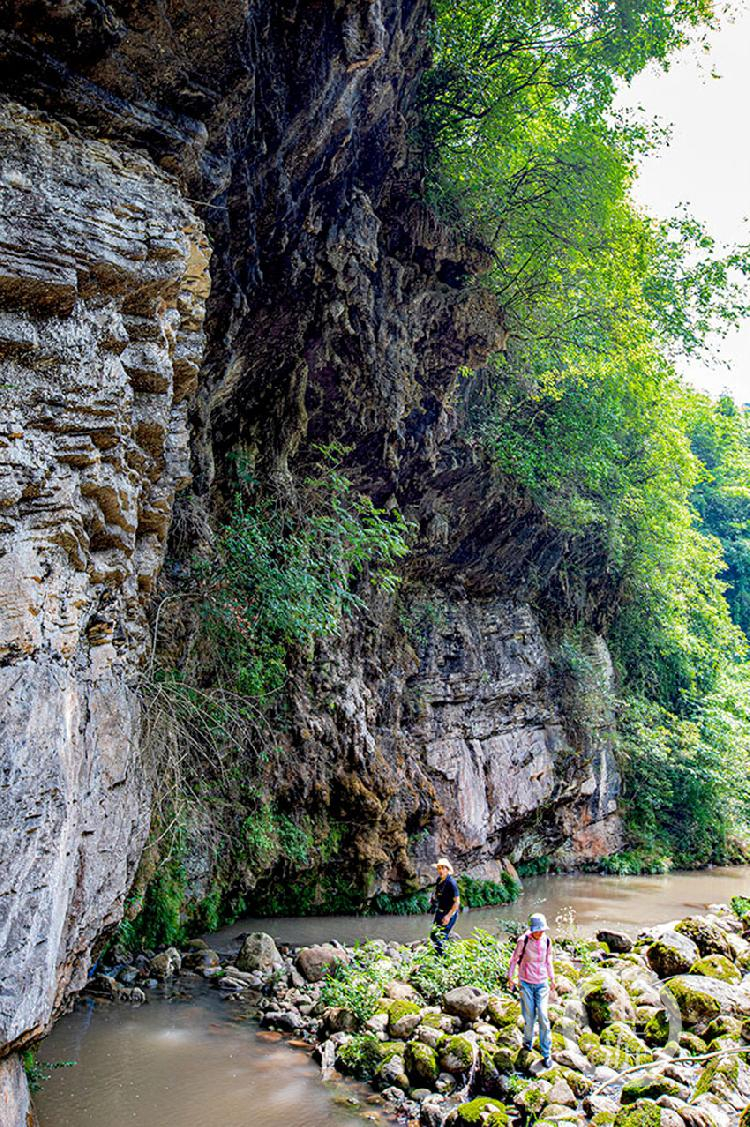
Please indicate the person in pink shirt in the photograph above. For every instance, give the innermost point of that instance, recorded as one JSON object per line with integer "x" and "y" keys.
{"x": 536, "y": 975}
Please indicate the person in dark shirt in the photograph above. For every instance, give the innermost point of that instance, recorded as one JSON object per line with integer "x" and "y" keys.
{"x": 446, "y": 902}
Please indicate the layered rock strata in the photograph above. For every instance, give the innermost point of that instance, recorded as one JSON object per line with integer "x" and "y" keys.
{"x": 103, "y": 281}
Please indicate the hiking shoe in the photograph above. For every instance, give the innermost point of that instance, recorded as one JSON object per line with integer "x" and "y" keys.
{"x": 548, "y": 1062}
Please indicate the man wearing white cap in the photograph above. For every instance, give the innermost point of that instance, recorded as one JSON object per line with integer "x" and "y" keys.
{"x": 536, "y": 974}
{"x": 446, "y": 901}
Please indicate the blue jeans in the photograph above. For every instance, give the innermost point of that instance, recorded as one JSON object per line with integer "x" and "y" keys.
{"x": 534, "y": 999}
{"x": 441, "y": 931}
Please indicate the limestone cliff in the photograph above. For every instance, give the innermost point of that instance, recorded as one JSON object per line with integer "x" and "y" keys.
{"x": 339, "y": 309}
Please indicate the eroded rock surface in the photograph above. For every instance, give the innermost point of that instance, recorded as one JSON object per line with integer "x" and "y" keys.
{"x": 103, "y": 280}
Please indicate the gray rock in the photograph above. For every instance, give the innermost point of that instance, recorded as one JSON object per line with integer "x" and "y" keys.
{"x": 672, "y": 953}
{"x": 561, "y": 1093}
{"x": 285, "y": 1020}
{"x": 313, "y": 962}
{"x": 572, "y": 1058}
{"x": 433, "y": 1111}
{"x": 617, "y": 941}
{"x": 392, "y": 1074}
{"x": 593, "y": 1105}
{"x": 337, "y": 1019}
{"x": 259, "y": 953}
{"x": 467, "y": 1002}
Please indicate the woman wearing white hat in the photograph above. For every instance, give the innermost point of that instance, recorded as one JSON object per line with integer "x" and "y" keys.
{"x": 536, "y": 974}
{"x": 446, "y": 902}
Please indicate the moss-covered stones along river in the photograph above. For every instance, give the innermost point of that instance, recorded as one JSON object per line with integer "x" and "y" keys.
{"x": 440, "y": 1039}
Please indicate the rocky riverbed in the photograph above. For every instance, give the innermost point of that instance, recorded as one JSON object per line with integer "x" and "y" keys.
{"x": 440, "y": 1040}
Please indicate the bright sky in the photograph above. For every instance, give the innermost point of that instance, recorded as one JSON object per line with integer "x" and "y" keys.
{"x": 707, "y": 163}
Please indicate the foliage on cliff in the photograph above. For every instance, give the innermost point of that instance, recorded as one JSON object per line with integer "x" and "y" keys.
{"x": 647, "y": 481}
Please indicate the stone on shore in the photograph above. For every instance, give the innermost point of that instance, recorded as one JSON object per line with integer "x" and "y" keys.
{"x": 314, "y": 962}
{"x": 672, "y": 953}
{"x": 467, "y": 1002}
{"x": 717, "y": 966}
{"x": 619, "y": 942}
{"x": 606, "y": 1001}
{"x": 259, "y": 953}
{"x": 708, "y": 937}
{"x": 702, "y": 999}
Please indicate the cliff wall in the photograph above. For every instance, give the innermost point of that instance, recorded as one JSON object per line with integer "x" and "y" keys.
{"x": 259, "y": 168}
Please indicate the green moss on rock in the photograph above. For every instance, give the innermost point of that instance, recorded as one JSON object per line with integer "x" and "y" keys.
{"x": 579, "y": 1084}
{"x": 476, "y": 1112}
{"x": 421, "y": 1064}
{"x": 695, "y": 1004}
{"x": 622, "y": 1037}
{"x": 717, "y": 966}
{"x": 646, "y": 1113}
{"x": 503, "y": 1010}
{"x": 456, "y": 1054}
{"x": 723, "y": 1071}
{"x": 723, "y": 1026}
{"x": 656, "y": 1031}
{"x": 692, "y": 1043}
{"x": 647, "y": 1087}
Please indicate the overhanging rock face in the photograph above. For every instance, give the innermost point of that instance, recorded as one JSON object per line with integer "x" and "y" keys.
{"x": 103, "y": 281}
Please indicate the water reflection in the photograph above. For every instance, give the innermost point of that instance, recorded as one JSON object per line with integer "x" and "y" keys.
{"x": 185, "y": 1063}
{"x": 629, "y": 902}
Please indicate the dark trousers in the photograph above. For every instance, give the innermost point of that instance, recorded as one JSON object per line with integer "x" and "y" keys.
{"x": 441, "y": 931}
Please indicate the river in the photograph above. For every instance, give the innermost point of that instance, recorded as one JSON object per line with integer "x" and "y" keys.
{"x": 188, "y": 1060}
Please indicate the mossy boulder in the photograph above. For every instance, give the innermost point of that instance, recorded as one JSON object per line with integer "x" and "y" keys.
{"x": 656, "y": 1030}
{"x": 525, "y": 1059}
{"x": 531, "y": 1100}
{"x": 672, "y": 953}
{"x": 647, "y": 1088}
{"x": 720, "y": 1075}
{"x": 388, "y": 1049}
{"x": 745, "y": 1117}
{"x": 392, "y": 1073}
{"x": 421, "y": 1064}
{"x": 560, "y": 1113}
{"x": 717, "y": 966}
{"x": 692, "y": 1043}
{"x": 438, "y": 1021}
{"x": 588, "y": 1041}
{"x": 502, "y": 1010}
{"x": 607, "y": 1056}
{"x": 457, "y": 1054}
{"x": 567, "y": 968}
{"x": 645, "y": 1113}
{"x": 603, "y": 1119}
{"x": 477, "y": 1112}
{"x": 606, "y": 1000}
{"x": 622, "y": 1037}
{"x": 581, "y": 1085}
{"x": 723, "y": 1026}
{"x": 701, "y": 999}
{"x": 403, "y": 1018}
{"x": 504, "y": 1058}
{"x": 708, "y": 937}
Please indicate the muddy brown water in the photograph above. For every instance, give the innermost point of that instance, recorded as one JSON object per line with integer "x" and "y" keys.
{"x": 188, "y": 1061}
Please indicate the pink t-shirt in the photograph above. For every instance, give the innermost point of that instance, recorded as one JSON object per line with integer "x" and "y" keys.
{"x": 535, "y": 966}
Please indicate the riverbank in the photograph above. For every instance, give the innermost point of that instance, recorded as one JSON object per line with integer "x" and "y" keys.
{"x": 439, "y": 1041}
